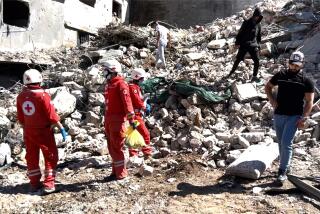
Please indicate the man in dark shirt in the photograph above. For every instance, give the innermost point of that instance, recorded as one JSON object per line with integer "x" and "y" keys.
{"x": 292, "y": 106}
{"x": 247, "y": 40}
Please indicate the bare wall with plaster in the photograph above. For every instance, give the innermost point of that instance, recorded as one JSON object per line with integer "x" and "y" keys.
{"x": 53, "y": 23}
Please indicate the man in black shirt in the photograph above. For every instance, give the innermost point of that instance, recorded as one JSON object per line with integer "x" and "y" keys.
{"x": 292, "y": 106}
{"x": 247, "y": 40}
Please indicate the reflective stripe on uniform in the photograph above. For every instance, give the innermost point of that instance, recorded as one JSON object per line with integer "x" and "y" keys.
{"x": 118, "y": 163}
{"x": 34, "y": 172}
{"x": 49, "y": 172}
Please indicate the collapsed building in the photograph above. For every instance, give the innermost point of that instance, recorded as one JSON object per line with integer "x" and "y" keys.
{"x": 30, "y": 24}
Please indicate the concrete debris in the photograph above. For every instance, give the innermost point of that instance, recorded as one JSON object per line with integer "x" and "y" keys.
{"x": 217, "y": 44}
{"x": 5, "y": 154}
{"x": 179, "y": 122}
{"x": 64, "y": 102}
{"x": 145, "y": 170}
{"x": 246, "y": 92}
{"x": 254, "y": 161}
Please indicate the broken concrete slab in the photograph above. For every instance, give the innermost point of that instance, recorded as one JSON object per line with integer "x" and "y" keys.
{"x": 254, "y": 161}
{"x": 64, "y": 102}
{"x": 195, "y": 56}
{"x": 246, "y": 92}
{"x": 217, "y": 44}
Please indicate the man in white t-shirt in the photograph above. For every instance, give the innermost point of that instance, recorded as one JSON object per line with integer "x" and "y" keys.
{"x": 163, "y": 37}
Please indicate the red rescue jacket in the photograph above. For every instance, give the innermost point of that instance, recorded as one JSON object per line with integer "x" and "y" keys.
{"x": 35, "y": 109}
{"x": 139, "y": 105}
{"x": 117, "y": 100}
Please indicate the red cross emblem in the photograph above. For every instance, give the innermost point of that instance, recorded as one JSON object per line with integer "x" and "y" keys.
{"x": 28, "y": 108}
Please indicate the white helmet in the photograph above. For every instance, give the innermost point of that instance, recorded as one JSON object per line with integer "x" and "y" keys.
{"x": 32, "y": 76}
{"x": 297, "y": 58}
{"x": 112, "y": 66}
{"x": 138, "y": 73}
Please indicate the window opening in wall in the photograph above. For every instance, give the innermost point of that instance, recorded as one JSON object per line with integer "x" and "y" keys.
{"x": 82, "y": 37}
{"x": 12, "y": 72}
{"x": 91, "y": 3}
{"x": 116, "y": 9}
{"x": 16, "y": 13}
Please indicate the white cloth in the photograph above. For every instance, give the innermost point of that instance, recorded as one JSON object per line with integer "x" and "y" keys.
{"x": 163, "y": 31}
{"x": 160, "y": 59}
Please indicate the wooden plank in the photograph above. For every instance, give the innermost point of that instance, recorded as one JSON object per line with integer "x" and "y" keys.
{"x": 305, "y": 187}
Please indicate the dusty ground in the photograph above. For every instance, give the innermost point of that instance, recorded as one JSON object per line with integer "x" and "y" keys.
{"x": 196, "y": 189}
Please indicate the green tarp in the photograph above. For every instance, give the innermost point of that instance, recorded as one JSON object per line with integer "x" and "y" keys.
{"x": 158, "y": 87}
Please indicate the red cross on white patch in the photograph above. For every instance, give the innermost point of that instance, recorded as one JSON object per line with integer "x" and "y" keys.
{"x": 28, "y": 108}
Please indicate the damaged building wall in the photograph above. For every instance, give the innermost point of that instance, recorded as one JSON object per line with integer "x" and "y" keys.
{"x": 52, "y": 23}
{"x": 44, "y": 16}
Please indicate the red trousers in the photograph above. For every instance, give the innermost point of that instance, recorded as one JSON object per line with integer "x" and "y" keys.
{"x": 115, "y": 135}
{"x": 37, "y": 139}
{"x": 142, "y": 129}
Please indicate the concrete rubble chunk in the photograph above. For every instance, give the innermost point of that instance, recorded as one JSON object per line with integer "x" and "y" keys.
{"x": 196, "y": 135}
{"x": 64, "y": 102}
{"x": 143, "y": 54}
{"x": 183, "y": 141}
{"x": 96, "y": 99}
{"x": 135, "y": 162}
{"x": 110, "y": 54}
{"x": 185, "y": 103}
{"x": 145, "y": 170}
{"x": 217, "y": 44}
{"x": 165, "y": 152}
{"x": 253, "y": 137}
{"x": 246, "y": 92}
{"x": 73, "y": 85}
{"x": 3, "y": 111}
{"x": 92, "y": 118}
{"x": 4, "y": 122}
{"x": 210, "y": 141}
{"x": 195, "y": 143}
{"x": 194, "y": 115}
{"x": 164, "y": 113}
{"x": 195, "y": 56}
{"x": 5, "y": 154}
{"x": 221, "y": 163}
{"x": 254, "y": 161}
{"x": 59, "y": 140}
{"x": 243, "y": 142}
{"x": 157, "y": 131}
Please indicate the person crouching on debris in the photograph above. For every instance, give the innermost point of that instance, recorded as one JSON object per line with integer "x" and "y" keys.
{"x": 163, "y": 39}
{"x": 140, "y": 109}
{"x": 248, "y": 40}
{"x": 118, "y": 110}
{"x": 292, "y": 106}
{"x": 37, "y": 116}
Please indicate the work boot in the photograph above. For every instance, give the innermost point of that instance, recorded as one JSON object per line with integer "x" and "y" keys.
{"x": 34, "y": 189}
{"x": 48, "y": 190}
{"x": 111, "y": 177}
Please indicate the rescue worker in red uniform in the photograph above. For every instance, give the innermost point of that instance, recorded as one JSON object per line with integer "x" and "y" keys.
{"x": 140, "y": 109}
{"x": 118, "y": 110}
{"x": 37, "y": 116}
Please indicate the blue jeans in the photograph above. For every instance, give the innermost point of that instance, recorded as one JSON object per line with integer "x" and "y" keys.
{"x": 286, "y": 127}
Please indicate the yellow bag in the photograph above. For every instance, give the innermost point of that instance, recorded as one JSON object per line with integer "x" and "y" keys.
{"x": 134, "y": 139}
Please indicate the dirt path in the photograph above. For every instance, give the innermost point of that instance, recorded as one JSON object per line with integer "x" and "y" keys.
{"x": 188, "y": 188}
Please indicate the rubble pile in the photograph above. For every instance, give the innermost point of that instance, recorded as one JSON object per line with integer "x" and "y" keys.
{"x": 218, "y": 129}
